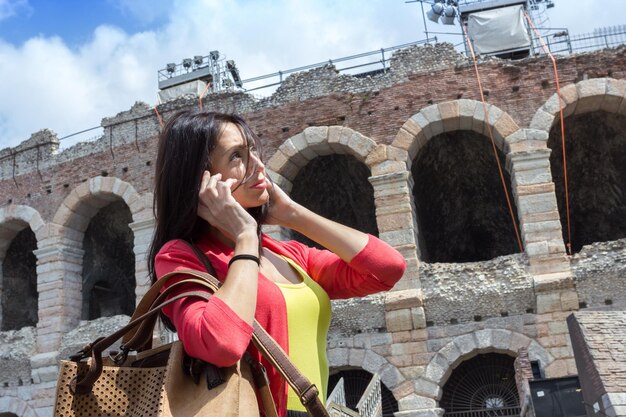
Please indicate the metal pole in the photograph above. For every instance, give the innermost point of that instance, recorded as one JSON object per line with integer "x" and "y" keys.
{"x": 424, "y": 18}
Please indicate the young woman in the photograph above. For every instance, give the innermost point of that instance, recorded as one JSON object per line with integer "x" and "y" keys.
{"x": 212, "y": 189}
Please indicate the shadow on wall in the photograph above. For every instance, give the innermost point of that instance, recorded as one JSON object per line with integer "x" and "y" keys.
{"x": 461, "y": 206}
{"x": 19, "y": 282}
{"x": 336, "y": 187}
{"x": 109, "y": 264}
{"x": 596, "y": 166}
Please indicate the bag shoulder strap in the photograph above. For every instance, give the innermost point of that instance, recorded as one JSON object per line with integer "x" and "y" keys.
{"x": 307, "y": 391}
{"x": 142, "y": 323}
{"x": 133, "y": 338}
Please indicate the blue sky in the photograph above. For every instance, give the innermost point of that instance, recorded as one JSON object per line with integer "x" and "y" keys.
{"x": 66, "y": 64}
{"x": 75, "y": 20}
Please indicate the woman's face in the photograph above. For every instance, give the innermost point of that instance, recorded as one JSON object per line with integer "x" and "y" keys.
{"x": 232, "y": 159}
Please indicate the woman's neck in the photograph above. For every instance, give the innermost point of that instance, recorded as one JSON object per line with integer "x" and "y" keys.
{"x": 221, "y": 237}
{"x": 207, "y": 229}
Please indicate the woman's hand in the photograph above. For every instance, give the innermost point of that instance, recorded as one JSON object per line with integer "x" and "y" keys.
{"x": 342, "y": 240}
{"x": 220, "y": 209}
{"x": 282, "y": 209}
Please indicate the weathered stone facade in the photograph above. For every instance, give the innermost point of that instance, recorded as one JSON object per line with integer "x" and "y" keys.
{"x": 599, "y": 341}
{"x": 439, "y": 314}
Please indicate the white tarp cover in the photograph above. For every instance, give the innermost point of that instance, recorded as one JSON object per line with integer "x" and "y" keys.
{"x": 498, "y": 30}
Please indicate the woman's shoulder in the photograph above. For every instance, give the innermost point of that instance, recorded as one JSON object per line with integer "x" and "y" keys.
{"x": 173, "y": 255}
{"x": 175, "y": 245}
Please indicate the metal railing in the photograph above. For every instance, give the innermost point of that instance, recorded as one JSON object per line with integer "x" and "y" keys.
{"x": 601, "y": 38}
{"x": 559, "y": 41}
{"x": 338, "y": 396}
{"x": 336, "y": 402}
{"x": 367, "y": 62}
{"x": 370, "y": 404}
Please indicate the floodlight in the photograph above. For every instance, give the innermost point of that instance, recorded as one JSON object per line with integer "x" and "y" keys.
{"x": 214, "y": 55}
{"x": 187, "y": 63}
{"x": 234, "y": 72}
{"x": 435, "y": 12}
{"x": 170, "y": 68}
{"x": 197, "y": 60}
{"x": 449, "y": 13}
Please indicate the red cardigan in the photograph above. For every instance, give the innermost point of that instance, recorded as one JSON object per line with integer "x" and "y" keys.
{"x": 211, "y": 331}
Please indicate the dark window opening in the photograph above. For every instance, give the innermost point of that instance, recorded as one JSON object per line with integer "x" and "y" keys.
{"x": 596, "y": 172}
{"x": 536, "y": 368}
{"x": 19, "y": 282}
{"x": 337, "y": 187}
{"x": 355, "y": 381}
{"x": 482, "y": 386}
{"x": 461, "y": 206}
{"x": 109, "y": 264}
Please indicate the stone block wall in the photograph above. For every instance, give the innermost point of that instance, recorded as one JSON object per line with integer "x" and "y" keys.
{"x": 439, "y": 314}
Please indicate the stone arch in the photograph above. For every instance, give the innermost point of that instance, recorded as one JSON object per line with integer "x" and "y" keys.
{"x": 14, "y": 219}
{"x": 595, "y": 110}
{"x": 466, "y": 346}
{"x": 336, "y": 146}
{"x": 373, "y": 363}
{"x": 60, "y": 256}
{"x": 445, "y": 122}
{"x": 316, "y": 141}
{"x": 16, "y": 406}
{"x": 84, "y": 201}
{"x": 585, "y": 96}
{"x": 462, "y": 114}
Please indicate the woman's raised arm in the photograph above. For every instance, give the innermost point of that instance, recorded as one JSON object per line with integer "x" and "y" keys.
{"x": 344, "y": 241}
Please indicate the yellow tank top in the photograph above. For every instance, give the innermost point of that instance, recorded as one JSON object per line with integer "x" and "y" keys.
{"x": 308, "y": 319}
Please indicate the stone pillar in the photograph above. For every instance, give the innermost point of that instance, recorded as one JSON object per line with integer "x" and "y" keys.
{"x": 396, "y": 223}
{"x": 540, "y": 224}
{"x": 404, "y": 311}
{"x": 143, "y": 231}
{"x": 59, "y": 284}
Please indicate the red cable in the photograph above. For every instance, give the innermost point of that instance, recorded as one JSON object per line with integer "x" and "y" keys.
{"x": 558, "y": 90}
{"x": 203, "y": 93}
{"x": 493, "y": 142}
{"x": 159, "y": 118}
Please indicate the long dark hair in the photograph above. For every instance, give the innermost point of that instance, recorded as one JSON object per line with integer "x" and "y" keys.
{"x": 184, "y": 150}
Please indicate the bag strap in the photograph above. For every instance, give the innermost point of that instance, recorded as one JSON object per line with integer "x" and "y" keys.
{"x": 146, "y": 314}
{"x": 132, "y": 338}
{"x": 307, "y": 391}
{"x": 95, "y": 349}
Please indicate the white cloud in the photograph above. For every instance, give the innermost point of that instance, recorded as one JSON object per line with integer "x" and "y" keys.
{"x": 70, "y": 89}
{"x": 10, "y": 8}
{"x": 144, "y": 11}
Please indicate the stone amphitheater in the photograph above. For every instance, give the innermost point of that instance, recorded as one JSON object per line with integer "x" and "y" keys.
{"x": 405, "y": 154}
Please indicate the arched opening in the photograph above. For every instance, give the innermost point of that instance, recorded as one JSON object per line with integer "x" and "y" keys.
{"x": 337, "y": 187}
{"x": 461, "y": 206}
{"x": 596, "y": 172}
{"x": 355, "y": 382}
{"x": 19, "y": 282}
{"x": 482, "y": 386}
{"x": 109, "y": 263}
{"x": 8, "y": 415}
